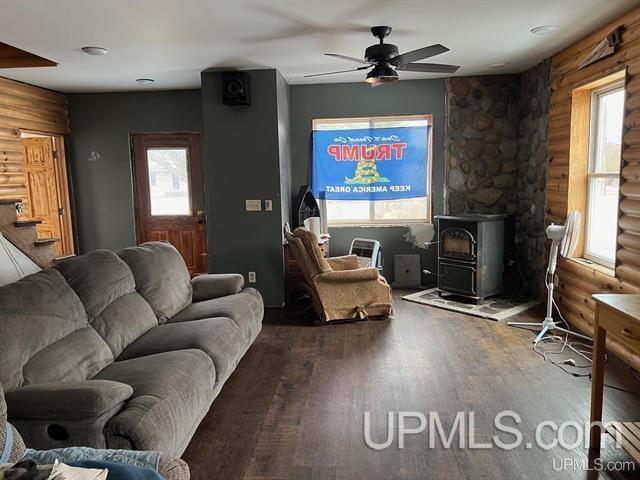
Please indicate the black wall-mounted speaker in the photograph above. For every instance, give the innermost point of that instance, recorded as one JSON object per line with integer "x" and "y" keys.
{"x": 236, "y": 88}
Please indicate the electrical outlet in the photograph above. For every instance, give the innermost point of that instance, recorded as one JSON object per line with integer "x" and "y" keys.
{"x": 252, "y": 277}
{"x": 268, "y": 205}
{"x": 253, "y": 205}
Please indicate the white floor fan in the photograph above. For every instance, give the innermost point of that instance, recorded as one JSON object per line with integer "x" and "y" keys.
{"x": 563, "y": 239}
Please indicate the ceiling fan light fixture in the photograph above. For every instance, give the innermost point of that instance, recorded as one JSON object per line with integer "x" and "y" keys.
{"x": 381, "y": 74}
{"x": 95, "y": 50}
{"x": 543, "y": 30}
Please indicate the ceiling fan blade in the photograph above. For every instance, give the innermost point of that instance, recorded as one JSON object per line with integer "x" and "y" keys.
{"x": 429, "y": 67}
{"x": 351, "y": 59}
{"x": 339, "y": 71}
{"x": 419, "y": 54}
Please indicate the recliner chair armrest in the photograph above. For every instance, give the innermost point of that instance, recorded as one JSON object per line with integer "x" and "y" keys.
{"x": 345, "y": 262}
{"x": 215, "y": 285}
{"x": 66, "y": 401}
{"x": 358, "y": 275}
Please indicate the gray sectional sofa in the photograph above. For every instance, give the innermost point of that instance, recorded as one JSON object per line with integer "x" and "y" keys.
{"x": 121, "y": 350}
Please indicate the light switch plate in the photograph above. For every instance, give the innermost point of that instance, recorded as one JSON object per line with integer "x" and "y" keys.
{"x": 253, "y": 205}
{"x": 268, "y": 205}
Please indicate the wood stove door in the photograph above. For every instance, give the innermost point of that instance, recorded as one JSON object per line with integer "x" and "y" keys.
{"x": 457, "y": 278}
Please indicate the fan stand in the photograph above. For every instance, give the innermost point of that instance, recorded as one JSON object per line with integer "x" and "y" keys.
{"x": 549, "y": 325}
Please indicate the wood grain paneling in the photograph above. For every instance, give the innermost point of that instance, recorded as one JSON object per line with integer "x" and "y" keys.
{"x": 578, "y": 281}
{"x": 28, "y": 108}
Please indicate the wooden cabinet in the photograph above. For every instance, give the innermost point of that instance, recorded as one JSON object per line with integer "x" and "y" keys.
{"x": 292, "y": 273}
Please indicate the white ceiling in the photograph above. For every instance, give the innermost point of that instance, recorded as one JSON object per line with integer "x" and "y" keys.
{"x": 172, "y": 41}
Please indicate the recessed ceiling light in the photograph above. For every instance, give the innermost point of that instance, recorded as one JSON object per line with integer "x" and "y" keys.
{"x": 497, "y": 65}
{"x": 95, "y": 50}
{"x": 145, "y": 81}
{"x": 543, "y": 30}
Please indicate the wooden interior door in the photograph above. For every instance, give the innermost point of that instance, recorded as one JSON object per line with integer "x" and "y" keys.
{"x": 169, "y": 194}
{"x": 42, "y": 187}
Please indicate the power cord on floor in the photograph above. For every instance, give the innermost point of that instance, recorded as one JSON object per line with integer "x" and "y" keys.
{"x": 582, "y": 349}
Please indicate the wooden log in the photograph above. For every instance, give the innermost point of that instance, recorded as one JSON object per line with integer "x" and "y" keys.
{"x": 7, "y": 167}
{"x": 559, "y": 159}
{"x": 557, "y": 172}
{"x": 15, "y": 101}
{"x": 628, "y": 257}
{"x": 43, "y": 127}
{"x": 587, "y": 43}
{"x": 630, "y": 207}
{"x": 9, "y": 133}
{"x": 29, "y": 91}
{"x": 628, "y": 274}
{"x": 630, "y": 190}
{"x": 631, "y": 172}
{"x": 629, "y": 223}
{"x": 601, "y": 281}
{"x": 629, "y": 241}
{"x": 631, "y": 154}
{"x": 561, "y": 134}
{"x": 631, "y": 136}
{"x": 12, "y": 179}
{"x": 11, "y": 157}
{"x": 13, "y": 192}
{"x": 40, "y": 116}
{"x": 633, "y": 102}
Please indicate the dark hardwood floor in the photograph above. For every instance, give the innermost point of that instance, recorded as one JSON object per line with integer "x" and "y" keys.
{"x": 294, "y": 409}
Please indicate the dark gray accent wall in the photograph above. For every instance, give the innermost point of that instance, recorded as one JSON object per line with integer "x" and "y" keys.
{"x": 407, "y": 97}
{"x": 242, "y": 160}
{"x": 101, "y": 123}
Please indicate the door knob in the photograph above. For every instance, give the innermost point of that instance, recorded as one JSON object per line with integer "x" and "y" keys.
{"x": 200, "y": 212}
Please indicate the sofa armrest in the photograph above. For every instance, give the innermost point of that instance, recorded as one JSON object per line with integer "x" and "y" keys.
{"x": 171, "y": 468}
{"x": 359, "y": 275}
{"x": 345, "y": 262}
{"x": 81, "y": 400}
{"x": 215, "y": 285}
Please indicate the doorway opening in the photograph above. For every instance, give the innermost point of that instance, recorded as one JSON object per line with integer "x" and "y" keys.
{"x": 48, "y": 199}
{"x": 169, "y": 194}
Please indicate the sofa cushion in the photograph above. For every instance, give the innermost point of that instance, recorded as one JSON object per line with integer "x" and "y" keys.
{"x": 172, "y": 392}
{"x": 220, "y": 338}
{"x": 77, "y": 356}
{"x": 36, "y": 311}
{"x": 246, "y": 309}
{"x": 124, "y": 320}
{"x": 98, "y": 278}
{"x": 215, "y": 285}
{"x": 105, "y": 284}
{"x": 161, "y": 277}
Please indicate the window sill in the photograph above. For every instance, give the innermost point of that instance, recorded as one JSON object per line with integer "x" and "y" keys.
{"x": 376, "y": 225}
{"x": 594, "y": 266}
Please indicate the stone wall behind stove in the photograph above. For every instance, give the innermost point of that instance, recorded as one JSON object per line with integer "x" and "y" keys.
{"x": 496, "y": 145}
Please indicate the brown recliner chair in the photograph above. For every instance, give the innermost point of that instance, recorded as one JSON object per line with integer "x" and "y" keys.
{"x": 340, "y": 289}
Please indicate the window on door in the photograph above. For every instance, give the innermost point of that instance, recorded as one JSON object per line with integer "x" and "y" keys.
{"x": 168, "y": 181}
{"x": 603, "y": 178}
{"x": 373, "y": 170}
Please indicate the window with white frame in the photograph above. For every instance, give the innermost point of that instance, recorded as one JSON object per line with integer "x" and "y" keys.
{"x": 378, "y": 209}
{"x": 603, "y": 179}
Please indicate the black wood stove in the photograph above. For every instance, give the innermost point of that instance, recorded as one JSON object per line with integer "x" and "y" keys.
{"x": 470, "y": 255}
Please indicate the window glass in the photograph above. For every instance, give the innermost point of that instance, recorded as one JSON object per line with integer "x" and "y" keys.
{"x": 603, "y": 178}
{"x": 168, "y": 181}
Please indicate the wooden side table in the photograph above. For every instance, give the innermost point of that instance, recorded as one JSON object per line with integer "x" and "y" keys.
{"x": 292, "y": 274}
{"x": 619, "y": 316}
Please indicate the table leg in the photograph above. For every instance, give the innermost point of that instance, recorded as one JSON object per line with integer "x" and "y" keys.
{"x": 597, "y": 386}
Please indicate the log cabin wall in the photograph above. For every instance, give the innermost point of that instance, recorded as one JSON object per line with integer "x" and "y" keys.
{"x": 577, "y": 281}
{"x": 28, "y": 108}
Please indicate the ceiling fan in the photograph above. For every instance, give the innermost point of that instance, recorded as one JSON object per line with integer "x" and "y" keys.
{"x": 384, "y": 59}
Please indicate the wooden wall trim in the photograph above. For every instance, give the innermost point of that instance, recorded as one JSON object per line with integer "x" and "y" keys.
{"x": 577, "y": 282}
{"x": 29, "y": 108}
